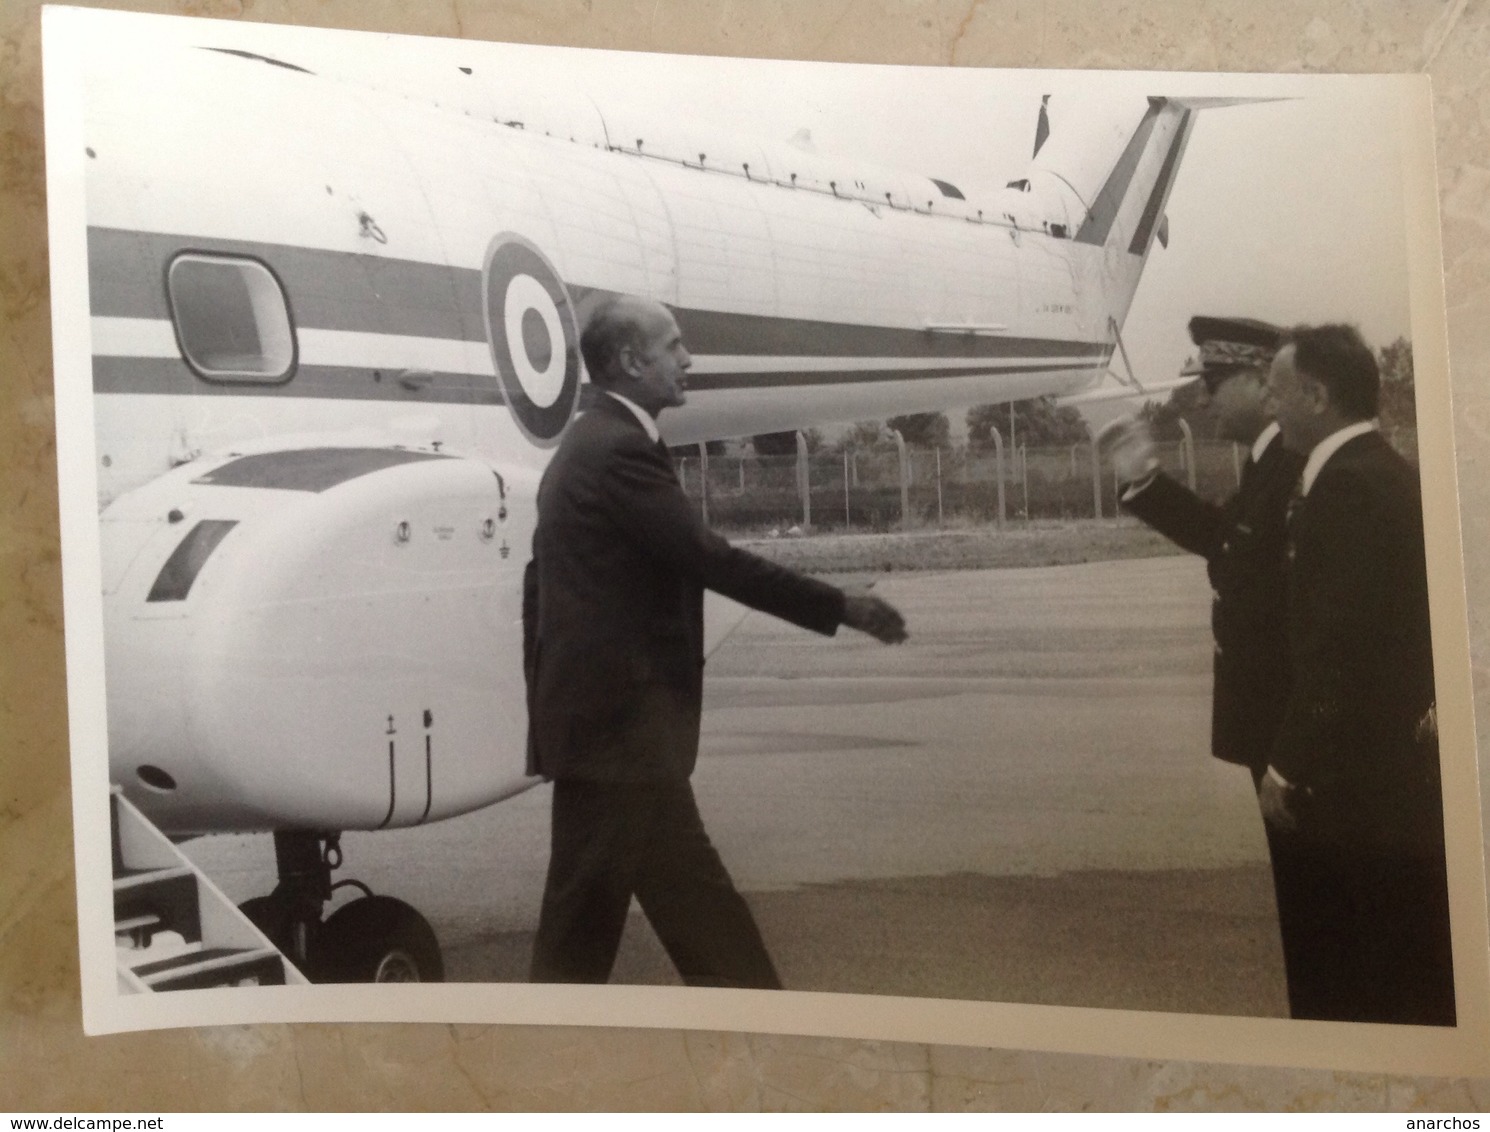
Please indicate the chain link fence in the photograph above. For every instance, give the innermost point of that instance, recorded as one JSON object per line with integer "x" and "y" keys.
{"x": 876, "y": 490}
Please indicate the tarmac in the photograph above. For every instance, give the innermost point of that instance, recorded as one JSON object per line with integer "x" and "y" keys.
{"x": 1016, "y": 805}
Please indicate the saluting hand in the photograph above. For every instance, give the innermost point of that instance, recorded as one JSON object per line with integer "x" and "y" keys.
{"x": 874, "y": 616}
{"x": 1129, "y": 448}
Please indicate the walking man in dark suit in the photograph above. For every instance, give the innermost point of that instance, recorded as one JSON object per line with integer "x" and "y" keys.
{"x": 1353, "y": 774}
{"x": 613, "y": 643}
{"x": 1244, "y": 543}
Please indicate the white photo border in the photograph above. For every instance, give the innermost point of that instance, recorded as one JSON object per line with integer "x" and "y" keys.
{"x": 1462, "y": 1050}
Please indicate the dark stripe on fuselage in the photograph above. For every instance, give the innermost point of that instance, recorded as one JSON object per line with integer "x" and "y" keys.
{"x": 327, "y": 290}
{"x": 1098, "y": 223}
{"x": 332, "y": 290}
{"x": 722, "y": 333}
{"x": 171, "y": 376}
{"x": 733, "y": 381}
{"x": 1152, "y": 209}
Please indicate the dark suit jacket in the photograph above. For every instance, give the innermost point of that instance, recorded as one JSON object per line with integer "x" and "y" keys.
{"x": 1244, "y": 543}
{"x": 613, "y": 606}
{"x": 1362, "y": 657}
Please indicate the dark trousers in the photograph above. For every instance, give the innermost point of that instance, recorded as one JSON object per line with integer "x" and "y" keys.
{"x": 610, "y": 841}
{"x": 1369, "y": 939}
{"x": 1365, "y": 934}
{"x": 1294, "y": 897}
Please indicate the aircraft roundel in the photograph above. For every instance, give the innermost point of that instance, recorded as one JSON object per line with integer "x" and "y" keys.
{"x": 534, "y": 340}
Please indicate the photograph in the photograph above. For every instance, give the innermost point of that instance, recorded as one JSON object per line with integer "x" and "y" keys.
{"x": 605, "y": 538}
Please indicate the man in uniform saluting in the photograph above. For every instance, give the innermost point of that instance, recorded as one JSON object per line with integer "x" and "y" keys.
{"x": 1244, "y": 542}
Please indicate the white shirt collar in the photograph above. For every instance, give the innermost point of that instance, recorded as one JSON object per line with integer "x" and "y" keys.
{"x": 641, "y": 415}
{"x": 1327, "y": 448}
{"x": 1264, "y": 438}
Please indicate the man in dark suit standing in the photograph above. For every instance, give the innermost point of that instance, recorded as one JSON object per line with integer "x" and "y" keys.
{"x": 613, "y": 643}
{"x": 1244, "y": 543}
{"x": 1353, "y": 775}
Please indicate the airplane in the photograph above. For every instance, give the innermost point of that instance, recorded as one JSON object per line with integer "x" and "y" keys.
{"x": 334, "y": 342}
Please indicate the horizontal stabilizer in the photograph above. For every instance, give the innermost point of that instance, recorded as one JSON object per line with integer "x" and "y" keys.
{"x": 1122, "y": 392}
{"x": 1220, "y": 103}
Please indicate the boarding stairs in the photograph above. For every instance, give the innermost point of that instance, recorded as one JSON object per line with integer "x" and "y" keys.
{"x": 173, "y": 928}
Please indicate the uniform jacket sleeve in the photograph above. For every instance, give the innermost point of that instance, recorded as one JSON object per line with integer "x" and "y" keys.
{"x": 1180, "y": 515}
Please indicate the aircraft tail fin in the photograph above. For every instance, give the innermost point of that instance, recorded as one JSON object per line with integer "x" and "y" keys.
{"x": 1127, "y": 209}
{"x": 1124, "y": 213}
{"x": 1101, "y": 177}
{"x": 1113, "y": 168}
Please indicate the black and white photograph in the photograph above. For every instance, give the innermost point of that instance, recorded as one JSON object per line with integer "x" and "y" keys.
{"x": 601, "y": 538}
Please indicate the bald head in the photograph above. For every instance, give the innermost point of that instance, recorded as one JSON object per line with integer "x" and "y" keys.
{"x": 632, "y": 346}
{"x": 616, "y": 323}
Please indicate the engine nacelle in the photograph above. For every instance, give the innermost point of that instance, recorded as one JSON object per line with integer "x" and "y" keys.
{"x": 319, "y": 638}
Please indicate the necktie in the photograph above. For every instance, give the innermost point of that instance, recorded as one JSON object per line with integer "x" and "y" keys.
{"x": 1249, "y": 470}
{"x": 1295, "y": 500}
{"x": 1295, "y": 505}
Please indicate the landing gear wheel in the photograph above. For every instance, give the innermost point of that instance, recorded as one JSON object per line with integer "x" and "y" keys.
{"x": 378, "y": 939}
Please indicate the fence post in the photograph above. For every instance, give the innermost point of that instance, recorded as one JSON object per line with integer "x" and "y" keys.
{"x": 938, "y": 452}
{"x": 905, "y": 480}
{"x": 703, "y": 475}
{"x": 1096, "y": 479}
{"x": 1024, "y": 477}
{"x": 1187, "y": 451}
{"x": 847, "y": 516}
{"x": 804, "y": 484}
{"x": 998, "y": 470}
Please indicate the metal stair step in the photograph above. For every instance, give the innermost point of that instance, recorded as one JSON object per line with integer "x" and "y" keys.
{"x": 162, "y": 939}
{"x": 168, "y": 896}
{"x": 139, "y": 928}
{"x": 128, "y": 879}
{"x": 152, "y": 956}
{"x": 213, "y": 967}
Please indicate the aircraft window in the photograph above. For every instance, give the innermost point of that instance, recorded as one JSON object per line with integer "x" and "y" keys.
{"x": 232, "y": 319}
{"x": 948, "y": 189}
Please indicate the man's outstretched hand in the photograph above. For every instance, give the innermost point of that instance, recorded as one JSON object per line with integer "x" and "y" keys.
{"x": 874, "y": 616}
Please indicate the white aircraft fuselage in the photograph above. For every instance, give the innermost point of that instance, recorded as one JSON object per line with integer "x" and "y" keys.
{"x": 335, "y": 340}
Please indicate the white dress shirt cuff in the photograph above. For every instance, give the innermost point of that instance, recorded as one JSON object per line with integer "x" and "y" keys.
{"x": 1140, "y": 484}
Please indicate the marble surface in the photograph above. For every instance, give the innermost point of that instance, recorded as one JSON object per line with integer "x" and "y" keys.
{"x": 45, "y": 1061}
